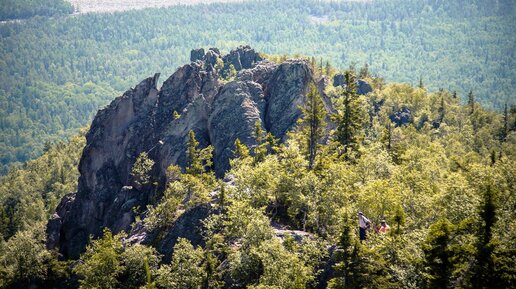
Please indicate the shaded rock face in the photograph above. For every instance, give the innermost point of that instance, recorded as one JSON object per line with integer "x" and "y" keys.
{"x": 188, "y": 226}
{"x": 239, "y": 102}
{"x": 157, "y": 121}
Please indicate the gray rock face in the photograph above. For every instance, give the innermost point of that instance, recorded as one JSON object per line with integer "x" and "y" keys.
{"x": 118, "y": 134}
{"x": 239, "y": 102}
{"x": 146, "y": 119}
{"x": 285, "y": 94}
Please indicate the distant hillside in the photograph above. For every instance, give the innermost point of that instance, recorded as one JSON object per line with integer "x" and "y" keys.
{"x": 57, "y": 72}
{"x": 86, "y": 6}
{"x": 21, "y": 9}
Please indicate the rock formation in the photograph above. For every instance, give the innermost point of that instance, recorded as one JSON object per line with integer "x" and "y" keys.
{"x": 157, "y": 121}
{"x": 363, "y": 87}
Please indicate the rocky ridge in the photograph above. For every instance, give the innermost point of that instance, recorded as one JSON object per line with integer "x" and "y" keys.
{"x": 144, "y": 119}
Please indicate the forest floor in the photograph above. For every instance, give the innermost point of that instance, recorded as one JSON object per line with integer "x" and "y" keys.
{"x": 86, "y": 6}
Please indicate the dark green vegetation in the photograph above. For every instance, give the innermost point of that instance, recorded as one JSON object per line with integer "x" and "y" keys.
{"x": 21, "y": 9}
{"x": 443, "y": 180}
{"x": 56, "y": 72}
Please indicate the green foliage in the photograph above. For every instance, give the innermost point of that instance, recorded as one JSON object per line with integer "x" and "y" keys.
{"x": 186, "y": 269}
{"x": 140, "y": 266}
{"x": 29, "y": 194}
{"x": 24, "y": 258}
{"x": 141, "y": 169}
{"x": 199, "y": 160}
{"x": 101, "y": 265}
{"x": 349, "y": 118}
{"x": 312, "y": 123}
{"x": 357, "y": 266}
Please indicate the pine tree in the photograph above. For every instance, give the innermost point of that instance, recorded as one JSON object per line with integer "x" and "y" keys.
{"x": 421, "y": 85}
{"x": 141, "y": 169}
{"x": 328, "y": 68}
{"x": 313, "y": 123}
{"x": 471, "y": 102}
{"x": 442, "y": 110}
{"x": 358, "y": 267}
{"x": 261, "y": 146}
{"x": 484, "y": 276}
{"x": 349, "y": 119}
{"x": 198, "y": 159}
{"x": 505, "y": 127}
{"x": 438, "y": 256}
{"x": 194, "y": 162}
{"x": 364, "y": 71}
{"x": 241, "y": 151}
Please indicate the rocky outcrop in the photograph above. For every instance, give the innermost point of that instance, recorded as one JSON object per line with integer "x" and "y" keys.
{"x": 196, "y": 54}
{"x": 118, "y": 134}
{"x": 401, "y": 117}
{"x": 157, "y": 121}
{"x": 244, "y": 57}
{"x": 363, "y": 87}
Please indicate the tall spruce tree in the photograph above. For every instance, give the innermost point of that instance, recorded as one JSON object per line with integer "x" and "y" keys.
{"x": 484, "y": 276}
{"x": 260, "y": 151}
{"x": 438, "y": 257}
{"x": 471, "y": 102}
{"x": 198, "y": 159}
{"x": 313, "y": 123}
{"x": 349, "y": 118}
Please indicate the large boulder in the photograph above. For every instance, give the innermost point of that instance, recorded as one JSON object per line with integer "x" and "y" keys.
{"x": 363, "y": 87}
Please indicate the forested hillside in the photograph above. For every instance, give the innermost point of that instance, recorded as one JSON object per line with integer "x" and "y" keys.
{"x": 441, "y": 174}
{"x": 21, "y": 9}
{"x": 57, "y": 72}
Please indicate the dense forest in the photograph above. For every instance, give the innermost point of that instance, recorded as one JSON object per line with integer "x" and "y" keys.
{"x": 56, "y": 72}
{"x": 21, "y": 9}
{"x": 443, "y": 179}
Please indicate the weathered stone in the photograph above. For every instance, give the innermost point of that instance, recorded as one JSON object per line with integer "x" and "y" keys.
{"x": 235, "y": 111}
{"x": 339, "y": 80}
{"x": 284, "y": 95}
{"x": 244, "y": 57}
